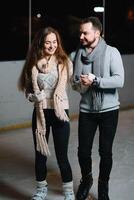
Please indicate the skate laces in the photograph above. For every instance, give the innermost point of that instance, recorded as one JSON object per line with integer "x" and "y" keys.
{"x": 41, "y": 193}
{"x": 69, "y": 195}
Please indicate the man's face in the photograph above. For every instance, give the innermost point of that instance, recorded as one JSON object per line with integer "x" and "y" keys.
{"x": 88, "y": 34}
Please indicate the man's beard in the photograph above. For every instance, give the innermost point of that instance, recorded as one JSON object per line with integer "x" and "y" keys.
{"x": 88, "y": 44}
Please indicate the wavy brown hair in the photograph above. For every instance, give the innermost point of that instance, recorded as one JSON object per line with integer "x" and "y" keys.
{"x": 36, "y": 52}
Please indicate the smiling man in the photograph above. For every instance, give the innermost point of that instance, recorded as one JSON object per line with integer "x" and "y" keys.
{"x": 98, "y": 73}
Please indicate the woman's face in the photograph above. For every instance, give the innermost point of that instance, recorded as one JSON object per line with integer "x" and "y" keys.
{"x": 50, "y": 44}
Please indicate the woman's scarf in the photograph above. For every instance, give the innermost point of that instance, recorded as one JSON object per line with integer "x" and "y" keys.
{"x": 96, "y": 58}
{"x": 42, "y": 145}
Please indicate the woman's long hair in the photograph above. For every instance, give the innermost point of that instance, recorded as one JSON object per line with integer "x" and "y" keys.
{"x": 36, "y": 52}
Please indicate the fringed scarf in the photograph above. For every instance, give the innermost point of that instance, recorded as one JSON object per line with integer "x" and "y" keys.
{"x": 40, "y": 133}
{"x": 96, "y": 58}
{"x": 58, "y": 93}
{"x": 42, "y": 145}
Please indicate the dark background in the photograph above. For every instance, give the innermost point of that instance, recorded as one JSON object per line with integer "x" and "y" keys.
{"x": 63, "y": 15}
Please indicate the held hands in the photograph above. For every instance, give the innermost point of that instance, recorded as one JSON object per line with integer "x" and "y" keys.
{"x": 87, "y": 79}
{"x": 91, "y": 76}
{"x": 36, "y": 97}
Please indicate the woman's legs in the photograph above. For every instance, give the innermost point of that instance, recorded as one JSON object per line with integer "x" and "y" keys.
{"x": 40, "y": 160}
{"x": 61, "y": 133}
{"x": 40, "y": 165}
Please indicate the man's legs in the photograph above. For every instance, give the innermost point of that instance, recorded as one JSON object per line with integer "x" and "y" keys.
{"x": 107, "y": 126}
{"x": 86, "y": 132}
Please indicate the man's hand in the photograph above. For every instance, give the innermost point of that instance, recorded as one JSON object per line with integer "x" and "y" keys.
{"x": 91, "y": 76}
{"x": 85, "y": 80}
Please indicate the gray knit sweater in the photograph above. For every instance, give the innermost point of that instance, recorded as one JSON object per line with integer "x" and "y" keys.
{"x": 112, "y": 79}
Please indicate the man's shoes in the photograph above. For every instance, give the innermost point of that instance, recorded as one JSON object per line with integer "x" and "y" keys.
{"x": 103, "y": 190}
{"x": 103, "y": 196}
{"x": 84, "y": 187}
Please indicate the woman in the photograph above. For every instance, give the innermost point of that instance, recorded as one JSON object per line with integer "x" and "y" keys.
{"x": 44, "y": 78}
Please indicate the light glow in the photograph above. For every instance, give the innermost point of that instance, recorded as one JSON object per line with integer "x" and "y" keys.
{"x": 98, "y": 9}
{"x": 38, "y": 15}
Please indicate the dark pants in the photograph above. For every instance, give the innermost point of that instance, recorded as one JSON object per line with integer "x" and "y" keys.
{"x": 61, "y": 132}
{"x": 88, "y": 123}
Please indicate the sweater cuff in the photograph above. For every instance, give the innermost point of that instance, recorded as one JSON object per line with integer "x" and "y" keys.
{"x": 96, "y": 82}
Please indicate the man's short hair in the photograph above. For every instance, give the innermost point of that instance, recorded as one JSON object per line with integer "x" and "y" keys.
{"x": 95, "y": 22}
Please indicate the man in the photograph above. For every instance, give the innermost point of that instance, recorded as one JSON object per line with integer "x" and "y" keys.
{"x": 98, "y": 72}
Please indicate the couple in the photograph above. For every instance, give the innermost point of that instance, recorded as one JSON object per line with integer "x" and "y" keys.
{"x": 95, "y": 70}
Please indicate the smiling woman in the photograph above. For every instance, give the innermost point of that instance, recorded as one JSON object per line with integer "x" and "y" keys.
{"x": 44, "y": 79}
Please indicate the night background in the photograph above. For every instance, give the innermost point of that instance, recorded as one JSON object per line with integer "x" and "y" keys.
{"x": 63, "y": 15}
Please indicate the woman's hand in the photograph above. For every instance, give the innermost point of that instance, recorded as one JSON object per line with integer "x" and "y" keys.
{"x": 36, "y": 97}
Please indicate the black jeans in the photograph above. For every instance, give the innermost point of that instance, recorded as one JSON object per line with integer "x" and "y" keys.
{"x": 88, "y": 123}
{"x": 61, "y": 133}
